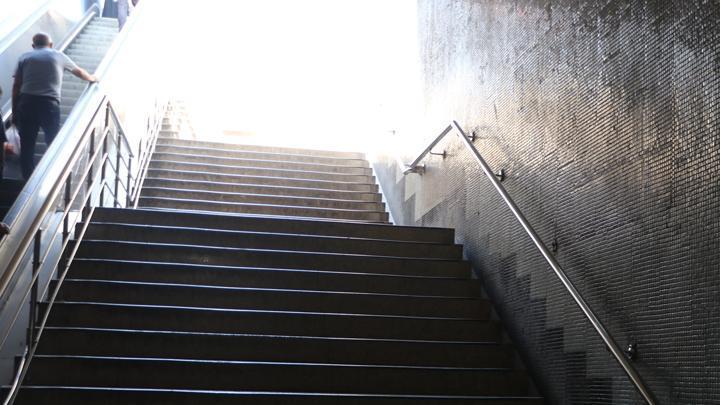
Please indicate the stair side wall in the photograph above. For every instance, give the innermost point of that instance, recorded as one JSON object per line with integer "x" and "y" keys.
{"x": 601, "y": 114}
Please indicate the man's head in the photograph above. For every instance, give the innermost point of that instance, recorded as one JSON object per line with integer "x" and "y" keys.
{"x": 42, "y": 40}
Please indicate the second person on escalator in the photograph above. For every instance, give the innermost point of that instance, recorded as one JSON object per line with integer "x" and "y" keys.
{"x": 124, "y": 10}
{"x": 36, "y": 95}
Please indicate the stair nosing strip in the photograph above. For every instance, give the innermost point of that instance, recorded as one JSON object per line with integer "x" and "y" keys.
{"x": 256, "y": 152}
{"x": 274, "y": 363}
{"x": 276, "y": 290}
{"x": 281, "y": 394}
{"x": 299, "y": 337}
{"x": 265, "y": 215}
{"x": 239, "y": 204}
{"x": 299, "y": 235}
{"x": 254, "y": 268}
{"x": 274, "y": 312}
{"x": 309, "y": 189}
{"x": 310, "y": 151}
{"x": 252, "y": 250}
{"x": 290, "y": 179}
{"x": 269, "y": 161}
{"x": 261, "y": 168}
{"x": 212, "y": 192}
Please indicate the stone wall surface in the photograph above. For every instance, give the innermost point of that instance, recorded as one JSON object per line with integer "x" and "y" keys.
{"x": 605, "y": 117}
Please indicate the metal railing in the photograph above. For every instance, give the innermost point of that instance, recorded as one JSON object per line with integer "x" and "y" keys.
{"x": 612, "y": 346}
{"x": 93, "y": 162}
{"x": 97, "y": 173}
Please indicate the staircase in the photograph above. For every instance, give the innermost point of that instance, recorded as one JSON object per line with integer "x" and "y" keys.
{"x": 87, "y": 50}
{"x": 256, "y": 275}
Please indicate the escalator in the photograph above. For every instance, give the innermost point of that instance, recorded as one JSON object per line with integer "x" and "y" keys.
{"x": 87, "y": 49}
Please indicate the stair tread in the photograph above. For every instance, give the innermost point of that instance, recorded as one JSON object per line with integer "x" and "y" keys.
{"x": 265, "y": 180}
{"x": 249, "y": 204}
{"x": 216, "y": 195}
{"x": 284, "y": 396}
{"x": 282, "y": 240}
{"x": 281, "y": 190}
{"x": 261, "y": 210}
{"x": 263, "y": 163}
{"x": 218, "y": 320}
{"x": 126, "y": 270}
{"x": 265, "y": 171}
{"x": 279, "y": 157}
{"x": 308, "y": 226}
{"x": 286, "y": 377}
{"x": 271, "y": 258}
{"x": 261, "y": 148}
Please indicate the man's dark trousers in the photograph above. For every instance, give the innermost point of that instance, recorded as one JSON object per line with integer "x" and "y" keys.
{"x": 35, "y": 112}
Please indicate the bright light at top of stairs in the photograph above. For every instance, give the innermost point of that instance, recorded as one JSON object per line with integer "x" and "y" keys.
{"x": 313, "y": 73}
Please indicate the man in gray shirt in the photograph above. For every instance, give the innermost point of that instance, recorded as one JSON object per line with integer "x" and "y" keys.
{"x": 36, "y": 95}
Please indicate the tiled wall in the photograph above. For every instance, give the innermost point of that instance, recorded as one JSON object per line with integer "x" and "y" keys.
{"x": 605, "y": 116}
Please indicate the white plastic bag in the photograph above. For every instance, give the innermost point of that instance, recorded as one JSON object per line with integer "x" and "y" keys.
{"x": 13, "y": 141}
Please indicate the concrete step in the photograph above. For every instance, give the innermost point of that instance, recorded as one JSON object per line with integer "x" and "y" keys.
{"x": 203, "y": 255}
{"x": 268, "y": 240}
{"x": 285, "y": 211}
{"x": 258, "y": 148}
{"x": 272, "y": 225}
{"x": 300, "y": 349}
{"x": 261, "y": 277}
{"x": 265, "y": 376}
{"x": 197, "y": 296}
{"x": 267, "y": 164}
{"x": 260, "y": 189}
{"x": 261, "y": 180}
{"x": 109, "y": 396}
{"x": 208, "y": 167}
{"x": 213, "y": 320}
{"x": 281, "y": 157}
{"x": 244, "y": 198}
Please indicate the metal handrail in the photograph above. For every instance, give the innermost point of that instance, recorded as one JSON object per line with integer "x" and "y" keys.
{"x": 90, "y": 182}
{"x": 607, "y": 338}
{"x": 144, "y": 161}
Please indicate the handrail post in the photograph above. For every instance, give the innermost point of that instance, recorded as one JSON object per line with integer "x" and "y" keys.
{"x": 91, "y": 153}
{"x": 128, "y": 190}
{"x": 36, "y": 263}
{"x": 66, "y": 220}
{"x": 117, "y": 169}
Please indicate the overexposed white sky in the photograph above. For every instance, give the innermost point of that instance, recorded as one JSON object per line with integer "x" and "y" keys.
{"x": 316, "y": 71}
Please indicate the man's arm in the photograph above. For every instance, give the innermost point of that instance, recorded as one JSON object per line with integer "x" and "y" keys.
{"x": 83, "y": 74}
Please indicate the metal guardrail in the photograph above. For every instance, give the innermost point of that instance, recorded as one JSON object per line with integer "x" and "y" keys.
{"x": 80, "y": 186}
{"x": 617, "y": 352}
{"x": 91, "y": 163}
